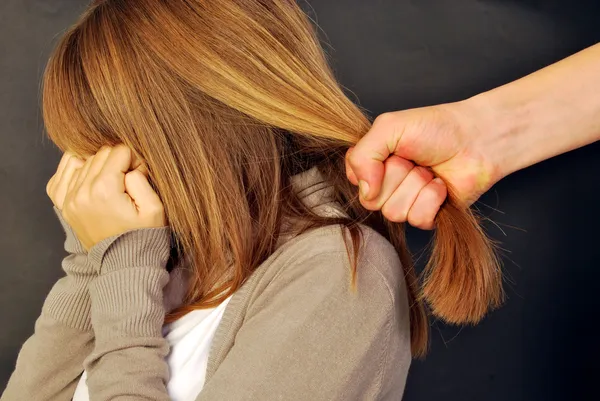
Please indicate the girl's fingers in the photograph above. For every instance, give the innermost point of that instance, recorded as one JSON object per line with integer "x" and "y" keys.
{"x": 83, "y": 173}
{"x": 71, "y": 186}
{"x": 146, "y": 200}
{"x": 61, "y": 184}
{"x": 399, "y": 203}
{"x": 50, "y": 187}
{"x": 119, "y": 160}
{"x": 67, "y": 162}
{"x": 98, "y": 163}
{"x": 137, "y": 163}
{"x": 139, "y": 189}
{"x": 396, "y": 170}
{"x": 63, "y": 163}
{"x": 116, "y": 166}
{"x": 423, "y": 211}
{"x": 143, "y": 169}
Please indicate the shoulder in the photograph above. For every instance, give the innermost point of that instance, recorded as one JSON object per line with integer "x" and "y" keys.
{"x": 299, "y": 318}
{"x": 328, "y": 250}
{"x": 319, "y": 261}
{"x": 305, "y": 292}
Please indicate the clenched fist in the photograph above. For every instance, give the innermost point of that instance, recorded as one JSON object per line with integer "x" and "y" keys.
{"x": 396, "y": 163}
{"x": 105, "y": 195}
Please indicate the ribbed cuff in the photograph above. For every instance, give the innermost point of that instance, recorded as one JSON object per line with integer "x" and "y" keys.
{"x": 147, "y": 247}
{"x": 72, "y": 243}
{"x": 128, "y": 303}
{"x": 68, "y": 300}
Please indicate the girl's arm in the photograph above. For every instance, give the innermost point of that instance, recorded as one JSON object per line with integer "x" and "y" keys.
{"x": 51, "y": 360}
{"x": 306, "y": 335}
{"x": 117, "y": 216}
{"x": 128, "y": 359}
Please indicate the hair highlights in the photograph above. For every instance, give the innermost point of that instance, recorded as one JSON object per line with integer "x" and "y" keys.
{"x": 225, "y": 100}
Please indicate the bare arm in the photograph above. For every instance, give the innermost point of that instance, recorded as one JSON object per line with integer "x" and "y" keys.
{"x": 552, "y": 111}
{"x": 472, "y": 144}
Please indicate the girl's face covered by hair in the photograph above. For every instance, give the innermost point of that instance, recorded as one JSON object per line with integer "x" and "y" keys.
{"x": 208, "y": 94}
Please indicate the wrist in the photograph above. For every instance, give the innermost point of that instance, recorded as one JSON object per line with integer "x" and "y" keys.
{"x": 147, "y": 247}
{"x": 498, "y": 130}
{"x": 72, "y": 244}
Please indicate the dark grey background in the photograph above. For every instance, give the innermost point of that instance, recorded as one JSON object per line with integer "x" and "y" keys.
{"x": 392, "y": 54}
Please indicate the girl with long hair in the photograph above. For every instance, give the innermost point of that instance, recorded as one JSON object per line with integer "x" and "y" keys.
{"x": 217, "y": 250}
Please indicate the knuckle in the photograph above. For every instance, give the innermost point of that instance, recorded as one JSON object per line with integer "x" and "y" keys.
{"x": 392, "y": 213}
{"x": 349, "y": 172}
{"x": 415, "y": 223}
{"x": 423, "y": 212}
{"x": 353, "y": 159}
{"x": 435, "y": 192}
{"x": 441, "y": 189}
{"x": 369, "y": 205}
{"x": 416, "y": 219}
{"x": 135, "y": 175}
{"x": 428, "y": 192}
{"x": 49, "y": 186}
{"x": 385, "y": 118}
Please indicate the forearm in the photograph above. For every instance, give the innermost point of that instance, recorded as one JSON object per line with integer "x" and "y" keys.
{"x": 127, "y": 316}
{"x": 51, "y": 360}
{"x": 552, "y": 111}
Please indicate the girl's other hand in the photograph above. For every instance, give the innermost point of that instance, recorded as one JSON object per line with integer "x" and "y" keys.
{"x": 105, "y": 197}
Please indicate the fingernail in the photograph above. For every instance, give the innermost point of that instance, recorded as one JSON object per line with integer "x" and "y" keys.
{"x": 363, "y": 186}
{"x": 438, "y": 180}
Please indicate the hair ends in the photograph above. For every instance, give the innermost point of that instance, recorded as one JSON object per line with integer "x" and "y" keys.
{"x": 462, "y": 280}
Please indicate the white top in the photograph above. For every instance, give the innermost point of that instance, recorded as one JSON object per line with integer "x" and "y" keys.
{"x": 190, "y": 338}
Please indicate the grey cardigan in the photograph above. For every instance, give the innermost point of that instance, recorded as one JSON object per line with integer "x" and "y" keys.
{"x": 296, "y": 330}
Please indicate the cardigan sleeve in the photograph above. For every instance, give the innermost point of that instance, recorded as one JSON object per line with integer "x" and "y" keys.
{"x": 128, "y": 360}
{"x": 307, "y": 334}
{"x": 51, "y": 361}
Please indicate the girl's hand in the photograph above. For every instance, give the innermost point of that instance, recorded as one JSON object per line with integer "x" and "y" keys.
{"x": 59, "y": 183}
{"x": 106, "y": 198}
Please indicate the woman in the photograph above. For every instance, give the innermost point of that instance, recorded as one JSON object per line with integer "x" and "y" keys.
{"x": 216, "y": 248}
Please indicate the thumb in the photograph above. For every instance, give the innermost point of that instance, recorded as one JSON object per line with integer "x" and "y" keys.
{"x": 140, "y": 190}
{"x": 366, "y": 160}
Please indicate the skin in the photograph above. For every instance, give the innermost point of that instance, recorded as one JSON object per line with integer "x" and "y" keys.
{"x": 105, "y": 195}
{"x": 472, "y": 144}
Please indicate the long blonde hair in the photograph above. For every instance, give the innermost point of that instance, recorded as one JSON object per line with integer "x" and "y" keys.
{"x": 225, "y": 100}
